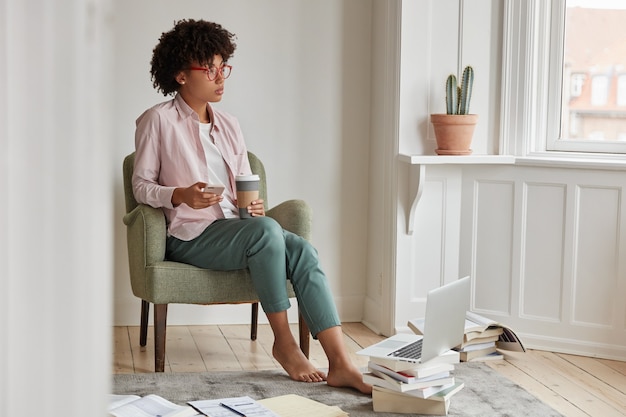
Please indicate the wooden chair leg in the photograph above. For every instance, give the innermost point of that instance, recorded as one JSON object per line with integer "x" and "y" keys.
{"x": 143, "y": 328}
{"x": 255, "y": 321}
{"x": 160, "y": 321}
{"x": 303, "y": 331}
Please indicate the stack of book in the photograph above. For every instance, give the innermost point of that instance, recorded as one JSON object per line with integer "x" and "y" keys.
{"x": 482, "y": 338}
{"x": 479, "y": 342}
{"x": 406, "y": 387}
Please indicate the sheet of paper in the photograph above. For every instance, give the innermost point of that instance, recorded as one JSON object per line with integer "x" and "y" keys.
{"x": 232, "y": 407}
{"x": 296, "y": 406}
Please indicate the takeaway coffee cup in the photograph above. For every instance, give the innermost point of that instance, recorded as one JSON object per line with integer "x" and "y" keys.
{"x": 247, "y": 192}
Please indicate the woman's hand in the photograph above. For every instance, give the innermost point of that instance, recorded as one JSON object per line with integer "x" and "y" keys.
{"x": 256, "y": 208}
{"x": 195, "y": 197}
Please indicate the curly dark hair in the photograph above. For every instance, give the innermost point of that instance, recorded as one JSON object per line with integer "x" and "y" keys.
{"x": 189, "y": 41}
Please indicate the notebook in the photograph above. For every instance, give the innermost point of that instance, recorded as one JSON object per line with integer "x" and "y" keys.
{"x": 444, "y": 324}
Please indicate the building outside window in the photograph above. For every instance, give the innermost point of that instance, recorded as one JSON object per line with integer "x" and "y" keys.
{"x": 594, "y": 54}
{"x": 578, "y": 80}
{"x": 599, "y": 90}
{"x": 621, "y": 90}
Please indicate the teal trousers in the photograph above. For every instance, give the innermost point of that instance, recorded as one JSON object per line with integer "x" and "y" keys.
{"x": 272, "y": 255}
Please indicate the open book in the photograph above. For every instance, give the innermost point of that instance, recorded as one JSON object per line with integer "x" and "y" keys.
{"x": 148, "y": 406}
{"x": 507, "y": 340}
{"x": 481, "y": 327}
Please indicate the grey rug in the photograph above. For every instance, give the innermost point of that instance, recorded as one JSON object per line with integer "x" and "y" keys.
{"x": 486, "y": 393}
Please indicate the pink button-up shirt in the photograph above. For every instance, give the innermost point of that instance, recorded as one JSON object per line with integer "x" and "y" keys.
{"x": 169, "y": 154}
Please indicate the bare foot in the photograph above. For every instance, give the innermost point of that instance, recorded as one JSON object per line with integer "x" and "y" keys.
{"x": 296, "y": 364}
{"x": 349, "y": 377}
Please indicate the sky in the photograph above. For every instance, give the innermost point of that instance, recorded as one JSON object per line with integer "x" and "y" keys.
{"x": 598, "y": 4}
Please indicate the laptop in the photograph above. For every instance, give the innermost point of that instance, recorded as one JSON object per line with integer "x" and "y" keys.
{"x": 444, "y": 325}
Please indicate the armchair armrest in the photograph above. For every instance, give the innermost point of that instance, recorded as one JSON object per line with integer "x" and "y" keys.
{"x": 294, "y": 216}
{"x": 146, "y": 233}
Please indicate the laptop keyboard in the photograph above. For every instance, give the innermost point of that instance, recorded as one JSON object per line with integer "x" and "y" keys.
{"x": 410, "y": 351}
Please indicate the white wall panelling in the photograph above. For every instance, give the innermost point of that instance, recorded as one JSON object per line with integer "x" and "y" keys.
{"x": 542, "y": 245}
{"x": 493, "y": 223}
{"x": 545, "y": 248}
{"x": 548, "y": 257}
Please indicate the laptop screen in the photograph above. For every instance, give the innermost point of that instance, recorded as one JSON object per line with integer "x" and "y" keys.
{"x": 445, "y": 317}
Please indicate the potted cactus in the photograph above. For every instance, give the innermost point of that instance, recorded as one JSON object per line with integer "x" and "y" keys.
{"x": 454, "y": 130}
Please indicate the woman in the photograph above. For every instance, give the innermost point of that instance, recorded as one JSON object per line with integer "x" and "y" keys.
{"x": 184, "y": 144}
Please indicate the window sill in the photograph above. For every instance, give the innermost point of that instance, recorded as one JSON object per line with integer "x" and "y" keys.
{"x": 558, "y": 160}
{"x": 577, "y": 161}
{"x": 454, "y": 159}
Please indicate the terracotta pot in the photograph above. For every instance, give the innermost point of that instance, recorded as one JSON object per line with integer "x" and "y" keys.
{"x": 454, "y": 133}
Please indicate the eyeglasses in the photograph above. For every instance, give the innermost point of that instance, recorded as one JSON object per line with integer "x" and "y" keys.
{"x": 212, "y": 72}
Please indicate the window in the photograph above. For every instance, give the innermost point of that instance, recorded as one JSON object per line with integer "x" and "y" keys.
{"x": 593, "y": 46}
{"x": 568, "y": 59}
{"x": 593, "y": 49}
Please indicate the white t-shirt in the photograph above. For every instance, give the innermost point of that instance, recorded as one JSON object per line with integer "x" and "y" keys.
{"x": 218, "y": 174}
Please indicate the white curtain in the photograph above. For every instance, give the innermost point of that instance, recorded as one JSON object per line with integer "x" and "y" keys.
{"x": 56, "y": 207}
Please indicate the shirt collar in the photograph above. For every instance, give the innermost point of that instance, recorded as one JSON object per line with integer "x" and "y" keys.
{"x": 186, "y": 111}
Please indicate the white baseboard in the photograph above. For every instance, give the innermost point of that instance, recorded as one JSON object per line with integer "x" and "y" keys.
{"x": 574, "y": 347}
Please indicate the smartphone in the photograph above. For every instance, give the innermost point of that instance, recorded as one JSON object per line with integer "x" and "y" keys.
{"x": 215, "y": 189}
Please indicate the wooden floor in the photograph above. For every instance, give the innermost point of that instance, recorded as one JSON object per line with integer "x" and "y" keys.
{"x": 572, "y": 385}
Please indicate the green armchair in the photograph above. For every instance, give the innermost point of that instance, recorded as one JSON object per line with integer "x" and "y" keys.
{"x": 161, "y": 282}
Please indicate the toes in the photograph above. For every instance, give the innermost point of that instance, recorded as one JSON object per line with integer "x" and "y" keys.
{"x": 321, "y": 376}
{"x": 313, "y": 377}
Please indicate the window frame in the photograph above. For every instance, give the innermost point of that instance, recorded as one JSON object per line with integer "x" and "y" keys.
{"x": 532, "y": 85}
